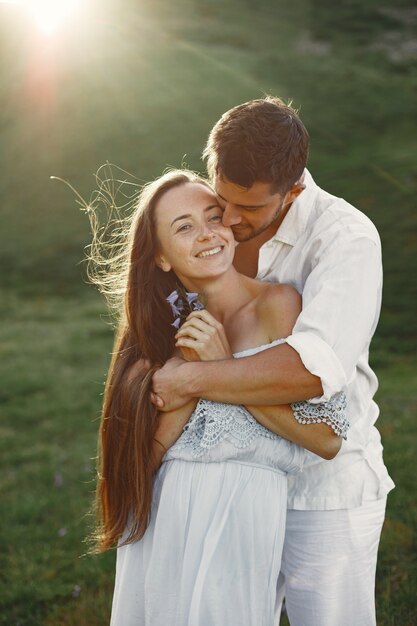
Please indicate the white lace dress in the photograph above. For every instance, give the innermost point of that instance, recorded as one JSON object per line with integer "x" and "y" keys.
{"x": 212, "y": 552}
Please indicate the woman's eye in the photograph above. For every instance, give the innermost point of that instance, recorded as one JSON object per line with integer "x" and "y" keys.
{"x": 183, "y": 228}
{"x": 216, "y": 218}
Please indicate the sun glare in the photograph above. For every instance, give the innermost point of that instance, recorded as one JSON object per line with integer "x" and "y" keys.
{"x": 48, "y": 14}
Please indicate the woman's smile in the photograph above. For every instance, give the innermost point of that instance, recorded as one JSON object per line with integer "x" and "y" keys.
{"x": 210, "y": 252}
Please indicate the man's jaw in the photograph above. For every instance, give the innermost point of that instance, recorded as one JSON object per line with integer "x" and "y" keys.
{"x": 242, "y": 233}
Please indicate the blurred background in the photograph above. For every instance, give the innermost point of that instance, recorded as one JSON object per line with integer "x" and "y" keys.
{"x": 140, "y": 83}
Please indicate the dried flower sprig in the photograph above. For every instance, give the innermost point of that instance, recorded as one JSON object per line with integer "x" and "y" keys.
{"x": 182, "y": 303}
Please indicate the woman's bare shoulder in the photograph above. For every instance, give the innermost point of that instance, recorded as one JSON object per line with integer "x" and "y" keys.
{"x": 278, "y": 307}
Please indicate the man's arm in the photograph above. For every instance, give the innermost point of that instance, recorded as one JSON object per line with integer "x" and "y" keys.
{"x": 341, "y": 301}
{"x": 341, "y": 305}
{"x": 247, "y": 380}
{"x": 318, "y": 438}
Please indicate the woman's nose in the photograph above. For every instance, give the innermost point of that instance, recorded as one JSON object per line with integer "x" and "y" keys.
{"x": 205, "y": 233}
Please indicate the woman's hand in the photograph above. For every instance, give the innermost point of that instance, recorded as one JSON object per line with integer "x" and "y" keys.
{"x": 203, "y": 338}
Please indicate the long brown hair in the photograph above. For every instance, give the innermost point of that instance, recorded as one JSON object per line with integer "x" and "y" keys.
{"x": 128, "y": 421}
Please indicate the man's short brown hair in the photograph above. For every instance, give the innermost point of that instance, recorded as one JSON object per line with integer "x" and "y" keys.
{"x": 258, "y": 141}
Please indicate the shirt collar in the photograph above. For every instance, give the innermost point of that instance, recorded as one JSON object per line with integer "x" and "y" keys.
{"x": 295, "y": 222}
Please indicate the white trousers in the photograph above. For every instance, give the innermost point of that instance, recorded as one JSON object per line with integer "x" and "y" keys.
{"x": 328, "y": 566}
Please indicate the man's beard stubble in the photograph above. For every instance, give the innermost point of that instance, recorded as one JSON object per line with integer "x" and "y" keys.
{"x": 247, "y": 233}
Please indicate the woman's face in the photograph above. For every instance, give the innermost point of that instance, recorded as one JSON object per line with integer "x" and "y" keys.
{"x": 193, "y": 241}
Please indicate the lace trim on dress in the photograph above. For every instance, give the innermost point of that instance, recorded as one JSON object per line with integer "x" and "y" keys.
{"x": 332, "y": 413}
{"x": 214, "y": 422}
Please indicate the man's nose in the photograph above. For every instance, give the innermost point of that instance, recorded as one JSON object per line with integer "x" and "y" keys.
{"x": 231, "y": 216}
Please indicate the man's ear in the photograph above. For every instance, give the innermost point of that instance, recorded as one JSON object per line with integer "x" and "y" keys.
{"x": 162, "y": 263}
{"x": 293, "y": 193}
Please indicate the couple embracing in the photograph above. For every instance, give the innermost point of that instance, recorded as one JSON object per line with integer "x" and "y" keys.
{"x": 239, "y": 461}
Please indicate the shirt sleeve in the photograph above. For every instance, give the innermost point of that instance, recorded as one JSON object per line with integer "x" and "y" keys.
{"x": 341, "y": 305}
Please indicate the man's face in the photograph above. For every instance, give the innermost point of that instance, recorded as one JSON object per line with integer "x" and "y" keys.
{"x": 250, "y": 212}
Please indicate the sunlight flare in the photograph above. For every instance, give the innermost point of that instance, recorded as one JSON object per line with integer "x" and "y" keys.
{"x": 48, "y": 14}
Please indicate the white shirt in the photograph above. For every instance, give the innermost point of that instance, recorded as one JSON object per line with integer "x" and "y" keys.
{"x": 331, "y": 253}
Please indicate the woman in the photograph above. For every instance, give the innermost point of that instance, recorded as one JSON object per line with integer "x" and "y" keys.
{"x": 200, "y": 539}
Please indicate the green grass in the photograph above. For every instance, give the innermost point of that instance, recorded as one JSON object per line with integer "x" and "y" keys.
{"x": 140, "y": 86}
{"x": 54, "y": 358}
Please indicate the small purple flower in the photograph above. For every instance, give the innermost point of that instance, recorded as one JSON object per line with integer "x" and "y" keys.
{"x": 174, "y": 299}
{"x": 191, "y": 297}
{"x": 182, "y": 303}
{"x": 62, "y": 532}
{"x": 76, "y": 591}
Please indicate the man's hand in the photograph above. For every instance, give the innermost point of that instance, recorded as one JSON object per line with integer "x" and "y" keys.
{"x": 168, "y": 385}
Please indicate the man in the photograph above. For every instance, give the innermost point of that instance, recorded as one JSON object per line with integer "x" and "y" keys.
{"x": 291, "y": 231}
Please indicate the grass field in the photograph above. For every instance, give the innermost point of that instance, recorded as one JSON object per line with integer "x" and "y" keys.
{"x": 141, "y": 86}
